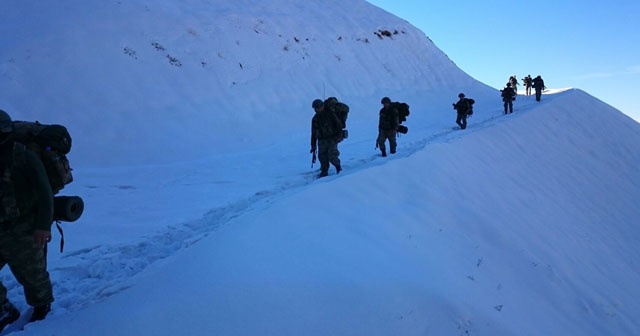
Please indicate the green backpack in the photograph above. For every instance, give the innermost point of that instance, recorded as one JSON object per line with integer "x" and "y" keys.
{"x": 341, "y": 110}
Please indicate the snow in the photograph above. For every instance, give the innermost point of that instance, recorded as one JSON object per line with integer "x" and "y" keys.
{"x": 204, "y": 217}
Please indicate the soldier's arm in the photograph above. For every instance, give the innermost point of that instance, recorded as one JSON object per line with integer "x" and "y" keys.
{"x": 314, "y": 139}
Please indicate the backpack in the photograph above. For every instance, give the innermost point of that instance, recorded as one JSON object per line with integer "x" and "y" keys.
{"x": 538, "y": 83}
{"x": 51, "y": 143}
{"x": 342, "y": 112}
{"x": 508, "y": 94}
{"x": 403, "y": 111}
{"x": 326, "y": 125}
{"x": 470, "y": 103}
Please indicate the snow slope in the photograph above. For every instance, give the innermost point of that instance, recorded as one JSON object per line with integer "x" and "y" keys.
{"x": 229, "y": 66}
{"x": 521, "y": 224}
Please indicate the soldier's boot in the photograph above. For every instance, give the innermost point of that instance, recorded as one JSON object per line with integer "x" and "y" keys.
{"x": 8, "y": 314}
{"x": 338, "y": 169}
{"x": 323, "y": 173}
{"x": 384, "y": 153}
{"x": 40, "y": 312}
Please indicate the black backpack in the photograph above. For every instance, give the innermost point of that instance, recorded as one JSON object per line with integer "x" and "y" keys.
{"x": 470, "y": 102}
{"x": 403, "y": 111}
{"x": 51, "y": 143}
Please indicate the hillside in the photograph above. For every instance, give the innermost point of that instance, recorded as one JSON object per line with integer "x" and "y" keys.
{"x": 235, "y": 68}
{"x": 518, "y": 226}
{"x": 199, "y": 221}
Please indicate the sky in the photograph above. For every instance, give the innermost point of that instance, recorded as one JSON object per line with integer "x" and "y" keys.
{"x": 203, "y": 214}
{"x": 592, "y": 45}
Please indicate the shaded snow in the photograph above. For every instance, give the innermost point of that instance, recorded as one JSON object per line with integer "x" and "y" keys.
{"x": 203, "y": 215}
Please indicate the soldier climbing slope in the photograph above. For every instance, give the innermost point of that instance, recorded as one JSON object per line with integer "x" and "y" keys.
{"x": 326, "y": 132}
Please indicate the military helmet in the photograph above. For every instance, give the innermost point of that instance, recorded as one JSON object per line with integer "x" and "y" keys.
{"x": 6, "y": 124}
{"x": 317, "y": 103}
{"x": 385, "y": 100}
{"x": 461, "y": 95}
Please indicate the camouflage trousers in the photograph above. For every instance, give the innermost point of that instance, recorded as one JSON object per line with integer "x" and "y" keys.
{"x": 328, "y": 153}
{"x": 508, "y": 105}
{"x": 28, "y": 263}
{"x": 383, "y": 135}
{"x": 462, "y": 120}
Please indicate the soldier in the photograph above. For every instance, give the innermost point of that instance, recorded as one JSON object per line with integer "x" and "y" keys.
{"x": 508, "y": 96}
{"x": 326, "y": 132}
{"x": 387, "y": 127}
{"x": 513, "y": 80}
{"x": 528, "y": 81}
{"x": 462, "y": 107}
{"x": 26, "y": 215}
{"x": 341, "y": 110}
{"x": 538, "y": 85}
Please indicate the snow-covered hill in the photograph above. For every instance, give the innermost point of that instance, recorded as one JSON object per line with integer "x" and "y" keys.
{"x": 203, "y": 216}
{"x": 237, "y": 68}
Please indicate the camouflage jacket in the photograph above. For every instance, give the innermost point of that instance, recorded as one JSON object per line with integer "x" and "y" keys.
{"x": 462, "y": 106}
{"x": 26, "y": 199}
{"x": 389, "y": 119}
{"x": 507, "y": 94}
{"x": 325, "y": 125}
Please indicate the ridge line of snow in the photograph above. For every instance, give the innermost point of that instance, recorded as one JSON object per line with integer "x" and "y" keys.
{"x": 110, "y": 269}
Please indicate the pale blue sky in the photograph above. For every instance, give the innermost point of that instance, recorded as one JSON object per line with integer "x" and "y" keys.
{"x": 592, "y": 45}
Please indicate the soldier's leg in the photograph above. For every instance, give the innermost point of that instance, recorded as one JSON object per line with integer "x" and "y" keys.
{"x": 28, "y": 264}
{"x": 334, "y": 156}
{"x": 459, "y": 121}
{"x": 392, "y": 142}
{"x": 5, "y": 240}
{"x": 381, "y": 142}
{"x": 3, "y": 289}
